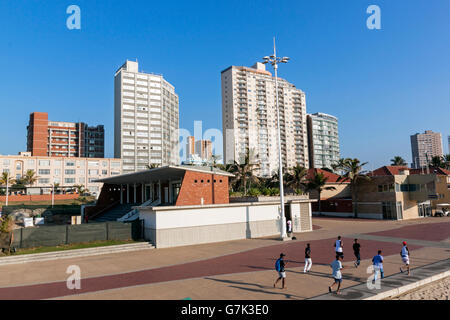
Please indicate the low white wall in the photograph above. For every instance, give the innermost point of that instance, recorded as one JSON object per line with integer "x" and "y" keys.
{"x": 178, "y": 226}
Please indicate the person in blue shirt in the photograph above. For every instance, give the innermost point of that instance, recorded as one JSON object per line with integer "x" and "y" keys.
{"x": 378, "y": 265}
{"x": 280, "y": 268}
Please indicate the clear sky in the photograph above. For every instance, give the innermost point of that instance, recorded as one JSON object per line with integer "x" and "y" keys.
{"x": 383, "y": 85}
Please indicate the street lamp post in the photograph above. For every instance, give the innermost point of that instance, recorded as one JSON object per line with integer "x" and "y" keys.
{"x": 274, "y": 61}
{"x": 53, "y": 194}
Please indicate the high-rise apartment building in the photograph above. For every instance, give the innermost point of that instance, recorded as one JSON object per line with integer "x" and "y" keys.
{"x": 323, "y": 140}
{"x": 64, "y": 139}
{"x": 424, "y": 147}
{"x": 249, "y": 119}
{"x": 146, "y": 119}
{"x": 190, "y": 146}
{"x": 204, "y": 149}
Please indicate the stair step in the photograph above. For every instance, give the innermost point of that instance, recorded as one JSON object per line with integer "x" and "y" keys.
{"x": 76, "y": 253}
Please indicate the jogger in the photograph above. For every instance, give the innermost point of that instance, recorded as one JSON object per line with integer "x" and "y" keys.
{"x": 378, "y": 266}
{"x": 337, "y": 266}
{"x": 279, "y": 267}
{"x": 356, "y": 251}
{"x": 405, "y": 257}
{"x": 308, "y": 261}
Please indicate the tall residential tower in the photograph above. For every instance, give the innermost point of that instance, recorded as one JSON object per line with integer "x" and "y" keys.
{"x": 424, "y": 147}
{"x": 146, "y": 119}
{"x": 249, "y": 119}
{"x": 323, "y": 140}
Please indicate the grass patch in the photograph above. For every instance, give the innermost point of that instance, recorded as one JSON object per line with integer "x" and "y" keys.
{"x": 73, "y": 246}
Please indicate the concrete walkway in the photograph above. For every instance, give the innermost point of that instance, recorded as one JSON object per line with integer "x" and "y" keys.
{"x": 393, "y": 285}
{"x": 241, "y": 269}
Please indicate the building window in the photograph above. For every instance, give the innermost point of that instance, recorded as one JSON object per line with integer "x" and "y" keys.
{"x": 69, "y": 180}
{"x": 44, "y": 163}
{"x": 70, "y": 172}
{"x": 70, "y": 164}
{"x": 44, "y": 171}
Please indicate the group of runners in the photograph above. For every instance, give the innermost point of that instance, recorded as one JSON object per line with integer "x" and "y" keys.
{"x": 337, "y": 266}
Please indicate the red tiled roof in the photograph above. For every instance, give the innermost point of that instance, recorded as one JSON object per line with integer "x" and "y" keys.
{"x": 331, "y": 177}
{"x": 395, "y": 170}
{"x": 388, "y": 171}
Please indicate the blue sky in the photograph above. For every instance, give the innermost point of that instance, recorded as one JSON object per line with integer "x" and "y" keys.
{"x": 383, "y": 85}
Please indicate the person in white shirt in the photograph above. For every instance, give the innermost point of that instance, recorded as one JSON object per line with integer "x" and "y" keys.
{"x": 405, "y": 257}
{"x": 337, "y": 266}
{"x": 289, "y": 226}
{"x": 339, "y": 247}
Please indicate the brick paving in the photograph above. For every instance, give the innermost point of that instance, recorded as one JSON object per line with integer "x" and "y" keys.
{"x": 253, "y": 261}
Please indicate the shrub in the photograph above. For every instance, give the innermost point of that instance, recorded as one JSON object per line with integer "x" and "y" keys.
{"x": 265, "y": 191}
{"x": 274, "y": 192}
{"x": 254, "y": 192}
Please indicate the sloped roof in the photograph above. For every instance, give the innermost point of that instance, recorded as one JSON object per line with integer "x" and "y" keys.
{"x": 395, "y": 170}
{"x": 331, "y": 177}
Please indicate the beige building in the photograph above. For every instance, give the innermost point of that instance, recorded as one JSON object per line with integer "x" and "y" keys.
{"x": 204, "y": 149}
{"x": 424, "y": 147}
{"x": 66, "y": 172}
{"x": 249, "y": 118}
{"x": 146, "y": 119}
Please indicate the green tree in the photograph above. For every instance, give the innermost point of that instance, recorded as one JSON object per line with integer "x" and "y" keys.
{"x": 447, "y": 161}
{"x": 153, "y": 166}
{"x": 295, "y": 178}
{"x": 437, "y": 162}
{"x": 352, "y": 172}
{"x": 215, "y": 158}
{"x": 318, "y": 183}
{"x": 244, "y": 170}
{"x": 398, "y": 161}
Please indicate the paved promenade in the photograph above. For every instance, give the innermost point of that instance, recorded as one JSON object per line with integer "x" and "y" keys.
{"x": 241, "y": 269}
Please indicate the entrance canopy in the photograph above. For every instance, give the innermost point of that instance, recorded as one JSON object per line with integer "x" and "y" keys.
{"x": 170, "y": 173}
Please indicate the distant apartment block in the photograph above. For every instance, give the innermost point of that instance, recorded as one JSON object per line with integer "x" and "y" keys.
{"x": 64, "y": 139}
{"x": 204, "y": 149}
{"x": 146, "y": 119}
{"x": 424, "y": 147}
{"x": 190, "y": 147}
{"x": 323, "y": 140}
{"x": 249, "y": 119}
{"x": 64, "y": 171}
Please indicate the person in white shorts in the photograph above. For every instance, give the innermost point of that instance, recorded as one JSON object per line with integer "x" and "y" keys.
{"x": 308, "y": 261}
{"x": 339, "y": 247}
{"x": 405, "y": 257}
{"x": 280, "y": 268}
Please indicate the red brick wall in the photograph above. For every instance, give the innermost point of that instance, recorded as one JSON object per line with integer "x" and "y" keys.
{"x": 191, "y": 191}
{"x": 38, "y": 197}
{"x": 38, "y": 134}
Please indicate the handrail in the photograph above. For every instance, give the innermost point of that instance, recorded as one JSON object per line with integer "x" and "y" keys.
{"x": 95, "y": 215}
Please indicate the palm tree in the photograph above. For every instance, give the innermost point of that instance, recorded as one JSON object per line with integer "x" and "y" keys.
{"x": 447, "y": 161}
{"x": 352, "y": 169}
{"x": 295, "y": 177}
{"x": 215, "y": 159}
{"x": 436, "y": 162}
{"x": 398, "y": 161}
{"x": 80, "y": 189}
{"x": 244, "y": 170}
{"x": 318, "y": 183}
{"x": 29, "y": 178}
{"x": 6, "y": 180}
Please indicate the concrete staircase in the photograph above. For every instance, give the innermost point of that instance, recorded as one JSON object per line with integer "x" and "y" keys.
{"x": 115, "y": 213}
{"x": 76, "y": 253}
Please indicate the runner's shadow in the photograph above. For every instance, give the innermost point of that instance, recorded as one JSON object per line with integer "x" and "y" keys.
{"x": 287, "y": 295}
{"x": 327, "y": 275}
{"x": 240, "y": 282}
